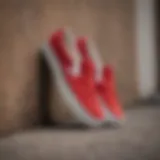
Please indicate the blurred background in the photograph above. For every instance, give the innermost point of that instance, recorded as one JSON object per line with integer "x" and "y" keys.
{"x": 126, "y": 33}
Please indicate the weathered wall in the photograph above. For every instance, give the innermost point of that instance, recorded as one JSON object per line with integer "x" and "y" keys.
{"x": 24, "y": 25}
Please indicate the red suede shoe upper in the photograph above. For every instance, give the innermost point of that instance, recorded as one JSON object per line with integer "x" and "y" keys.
{"x": 81, "y": 85}
{"x": 106, "y": 87}
{"x": 107, "y": 91}
{"x": 82, "y": 45}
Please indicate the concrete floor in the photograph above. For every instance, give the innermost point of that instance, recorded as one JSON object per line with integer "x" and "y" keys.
{"x": 139, "y": 139}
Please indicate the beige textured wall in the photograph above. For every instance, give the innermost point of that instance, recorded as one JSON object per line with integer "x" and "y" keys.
{"x": 24, "y": 25}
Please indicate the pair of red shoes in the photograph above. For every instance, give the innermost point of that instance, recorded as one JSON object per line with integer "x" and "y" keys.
{"x": 86, "y": 86}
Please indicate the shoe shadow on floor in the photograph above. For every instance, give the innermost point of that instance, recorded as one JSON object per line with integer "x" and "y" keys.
{"x": 44, "y": 92}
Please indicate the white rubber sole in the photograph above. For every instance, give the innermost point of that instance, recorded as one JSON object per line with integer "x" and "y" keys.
{"x": 72, "y": 103}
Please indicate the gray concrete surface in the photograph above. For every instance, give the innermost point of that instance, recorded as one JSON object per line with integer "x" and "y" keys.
{"x": 138, "y": 139}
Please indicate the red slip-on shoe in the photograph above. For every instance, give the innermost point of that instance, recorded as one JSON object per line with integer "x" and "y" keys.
{"x": 104, "y": 82}
{"x": 73, "y": 78}
{"x": 107, "y": 90}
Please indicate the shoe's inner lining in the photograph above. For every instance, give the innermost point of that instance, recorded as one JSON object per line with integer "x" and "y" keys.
{"x": 95, "y": 55}
{"x": 70, "y": 44}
